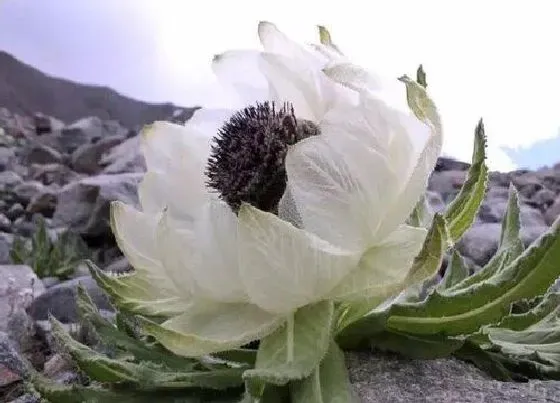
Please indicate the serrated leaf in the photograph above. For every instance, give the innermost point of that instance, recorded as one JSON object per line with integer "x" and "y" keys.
{"x": 325, "y": 38}
{"x": 144, "y": 376}
{"x": 455, "y": 272}
{"x": 464, "y": 311}
{"x": 421, "y": 76}
{"x": 294, "y": 350}
{"x": 59, "y": 393}
{"x": 329, "y": 383}
{"x": 462, "y": 211}
{"x": 351, "y": 325}
{"x": 111, "y": 336}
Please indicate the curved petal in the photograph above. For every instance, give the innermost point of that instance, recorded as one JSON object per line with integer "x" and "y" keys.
{"x": 275, "y": 41}
{"x": 179, "y": 155}
{"x": 341, "y": 187}
{"x": 203, "y": 261}
{"x": 240, "y": 70}
{"x": 153, "y": 192}
{"x": 206, "y": 122}
{"x": 135, "y": 235}
{"x": 384, "y": 268}
{"x": 307, "y": 89}
{"x": 210, "y": 328}
{"x": 283, "y": 267}
{"x": 417, "y": 182}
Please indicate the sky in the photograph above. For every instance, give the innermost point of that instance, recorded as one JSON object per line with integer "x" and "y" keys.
{"x": 496, "y": 59}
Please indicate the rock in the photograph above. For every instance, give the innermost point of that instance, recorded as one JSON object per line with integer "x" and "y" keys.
{"x": 16, "y": 211}
{"x": 480, "y": 242}
{"x": 450, "y": 164}
{"x": 390, "y": 379}
{"x": 527, "y": 184}
{"x": 46, "y": 124}
{"x": 7, "y": 158}
{"x": 83, "y": 131}
{"x": 544, "y": 198}
{"x": 12, "y": 365}
{"x": 26, "y": 191}
{"x": 86, "y": 158}
{"x": 19, "y": 286}
{"x": 120, "y": 265}
{"x": 5, "y": 247}
{"x": 49, "y": 282}
{"x": 126, "y": 157}
{"x": 435, "y": 201}
{"x": 552, "y": 212}
{"x": 48, "y": 174}
{"x": 43, "y": 203}
{"x": 84, "y": 205}
{"x": 5, "y": 223}
{"x": 60, "y": 300}
{"x": 447, "y": 184}
{"x": 43, "y": 154}
{"x": 9, "y": 180}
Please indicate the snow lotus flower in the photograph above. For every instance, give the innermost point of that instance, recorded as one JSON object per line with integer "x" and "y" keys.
{"x": 299, "y": 197}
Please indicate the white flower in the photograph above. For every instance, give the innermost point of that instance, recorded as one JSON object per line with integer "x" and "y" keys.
{"x": 225, "y": 273}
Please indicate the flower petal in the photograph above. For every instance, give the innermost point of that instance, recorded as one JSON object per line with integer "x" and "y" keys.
{"x": 204, "y": 260}
{"x": 210, "y": 328}
{"x": 240, "y": 70}
{"x": 179, "y": 155}
{"x": 383, "y": 268}
{"x": 342, "y": 188}
{"x": 418, "y": 180}
{"x": 283, "y": 267}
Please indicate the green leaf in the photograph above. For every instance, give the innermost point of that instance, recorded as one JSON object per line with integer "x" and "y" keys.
{"x": 59, "y": 393}
{"x": 294, "y": 350}
{"x": 462, "y": 211}
{"x": 421, "y": 347}
{"x": 464, "y": 311}
{"x": 421, "y": 77}
{"x": 509, "y": 248}
{"x": 145, "y": 375}
{"x": 352, "y": 327}
{"x": 325, "y": 38}
{"x": 455, "y": 272}
{"x": 329, "y": 383}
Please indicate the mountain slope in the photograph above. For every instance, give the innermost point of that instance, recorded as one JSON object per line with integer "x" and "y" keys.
{"x": 25, "y": 90}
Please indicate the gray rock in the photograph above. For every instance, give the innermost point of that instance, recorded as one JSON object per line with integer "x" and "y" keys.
{"x": 544, "y": 198}
{"x": 126, "y": 157}
{"x": 84, "y": 131}
{"x": 28, "y": 190}
{"x": 49, "y": 282}
{"x": 60, "y": 300}
{"x": 43, "y": 203}
{"x": 86, "y": 158}
{"x": 15, "y": 211}
{"x": 19, "y": 286}
{"x": 5, "y": 223}
{"x": 120, "y": 265}
{"x": 447, "y": 183}
{"x": 84, "y": 205}
{"x": 43, "y": 154}
{"x": 5, "y": 247}
{"x": 9, "y": 180}
{"x": 7, "y": 158}
{"x": 389, "y": 379}
{"x": 10, "y": 358}
{"x": 450, "y": 164}
{"x": 527, "y": 184}
{"x": 48, "y": 174}
{"x": 552, "y": 212}
{"x": 480, "y": 242}
{"x": 46, "y": 124}
{"x": 435, "y": 201}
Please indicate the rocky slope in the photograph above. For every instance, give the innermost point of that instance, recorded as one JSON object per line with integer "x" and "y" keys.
{"x": 25, "y": 90}
{"x": 68, "y": 174}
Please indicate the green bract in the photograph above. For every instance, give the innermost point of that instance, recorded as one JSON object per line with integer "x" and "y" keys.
{"x": 347, "y": 259}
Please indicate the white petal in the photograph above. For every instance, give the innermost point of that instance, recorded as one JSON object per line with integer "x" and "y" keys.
{"x": 274, "y": 41}
{"x": 240, "y": 70}
{"x": 217, "y": 275}
{"x": 179, "y": 155}
{"x": 153, "y": 193}
{"x": 383, "y": 269}
{"x": 353, "y": 76}
{"x": 211, "y": 328}
{"x": 283, "y": 267}
{"x": 206, "y": 122}
{"x": 135, "y": 235}
{"x": 308, "y": 90}
{"x": 203, "y": 261}
{"x": 342, "y": 188}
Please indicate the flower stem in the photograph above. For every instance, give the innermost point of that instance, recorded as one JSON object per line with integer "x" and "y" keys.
{"x": 290, "y": 338}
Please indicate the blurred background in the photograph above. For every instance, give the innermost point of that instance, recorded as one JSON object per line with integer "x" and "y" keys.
{"x": 497, "y": 60}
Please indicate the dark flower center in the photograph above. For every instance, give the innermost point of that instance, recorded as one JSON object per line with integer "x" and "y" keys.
{"x": 246, "y": 162}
